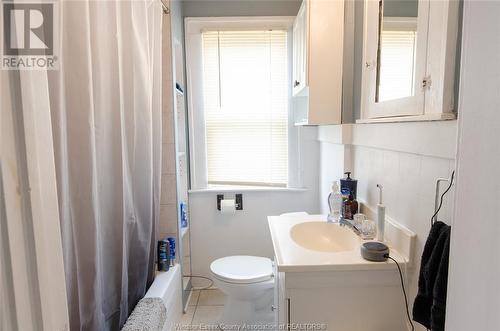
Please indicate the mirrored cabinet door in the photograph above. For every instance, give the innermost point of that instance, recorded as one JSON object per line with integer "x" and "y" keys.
{"x": 395, "y": 41}
{"x": 409, "y": 52}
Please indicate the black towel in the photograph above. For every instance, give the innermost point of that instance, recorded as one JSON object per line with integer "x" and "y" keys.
{"x": 430, "y": 303}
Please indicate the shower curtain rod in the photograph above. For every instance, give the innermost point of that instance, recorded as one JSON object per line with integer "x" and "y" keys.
{"x": 165, "y": 7}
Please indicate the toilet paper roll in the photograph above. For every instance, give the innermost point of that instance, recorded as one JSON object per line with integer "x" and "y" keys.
{"x": 228, "y": 206}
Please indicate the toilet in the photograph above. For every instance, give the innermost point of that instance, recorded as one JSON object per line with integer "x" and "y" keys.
{"x": 248, "y": 283}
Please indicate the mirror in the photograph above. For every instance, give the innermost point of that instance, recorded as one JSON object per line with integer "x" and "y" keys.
{"x": 396, "y": 53}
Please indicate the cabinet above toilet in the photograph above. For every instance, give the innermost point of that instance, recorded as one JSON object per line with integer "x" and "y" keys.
{"x": 318, "y": 34}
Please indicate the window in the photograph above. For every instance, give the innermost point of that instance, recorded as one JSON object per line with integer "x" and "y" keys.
{"x": 245, "y": 105}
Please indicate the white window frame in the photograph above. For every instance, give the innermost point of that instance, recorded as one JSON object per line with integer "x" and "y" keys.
{"x": 194, "y": 26}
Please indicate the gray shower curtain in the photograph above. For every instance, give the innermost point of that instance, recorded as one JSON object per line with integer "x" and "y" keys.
{"x": 106, "y": 116}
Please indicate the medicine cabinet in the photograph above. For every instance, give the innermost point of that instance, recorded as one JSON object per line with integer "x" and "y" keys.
{"x": 409, "y": 51}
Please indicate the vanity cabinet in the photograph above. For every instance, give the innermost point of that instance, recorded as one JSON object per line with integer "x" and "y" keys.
{"x": 409, "y": 53}
{"x": 323, "y": 283}
{"x": 339, "y": 301}
{"x": 318, "y": 34}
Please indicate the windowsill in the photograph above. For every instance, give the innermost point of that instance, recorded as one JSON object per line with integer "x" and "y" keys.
{"x": 238, "y": 188}
{"x": 415, "y": 118}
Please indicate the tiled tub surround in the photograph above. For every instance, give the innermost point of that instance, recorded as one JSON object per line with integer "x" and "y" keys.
{"x": 168, "y": 200}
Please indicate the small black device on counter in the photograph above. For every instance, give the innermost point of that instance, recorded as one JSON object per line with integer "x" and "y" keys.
{"x": 374, "y": 251}
{"x": 163, "y": 255}
{"x": 349, "y": 186}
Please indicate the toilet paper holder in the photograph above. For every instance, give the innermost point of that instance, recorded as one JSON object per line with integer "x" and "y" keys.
{"x": 238, "y": 201}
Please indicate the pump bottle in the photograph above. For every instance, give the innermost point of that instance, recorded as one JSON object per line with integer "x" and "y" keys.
{"x": 334, "y": 203}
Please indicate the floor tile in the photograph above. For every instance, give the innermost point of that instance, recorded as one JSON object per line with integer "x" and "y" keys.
{"x": 211, "y": 298}
{"x": 187, "y": 318}
{"x": 193, "y": 301}
{"x": 207, "y": 315}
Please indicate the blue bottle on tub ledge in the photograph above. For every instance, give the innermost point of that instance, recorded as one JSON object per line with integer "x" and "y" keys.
{"x": 163, "y": 254}
{"x": 171, "y": 243}
{"x": 184, "y": 216}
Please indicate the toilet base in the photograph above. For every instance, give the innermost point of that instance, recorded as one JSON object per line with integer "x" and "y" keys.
{"x": 248, "y": 283}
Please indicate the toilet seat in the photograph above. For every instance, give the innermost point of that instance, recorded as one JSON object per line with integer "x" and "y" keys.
{"x": 242, "y": 269}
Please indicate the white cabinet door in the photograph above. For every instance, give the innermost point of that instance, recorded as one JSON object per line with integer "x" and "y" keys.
{"x": 300, "y": 50}
{"x": 409, "y": 62}
{"x": 318, "y": 33}
{"x": 280, "y": 302}
{"x": 276, "y": 303}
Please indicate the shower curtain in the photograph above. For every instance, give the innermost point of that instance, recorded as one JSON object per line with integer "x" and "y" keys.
{"x": 106, "y": 116}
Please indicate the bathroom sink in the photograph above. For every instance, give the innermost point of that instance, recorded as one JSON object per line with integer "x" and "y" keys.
{"x": 324, "y": 237}
{"x": 306, "y": 243}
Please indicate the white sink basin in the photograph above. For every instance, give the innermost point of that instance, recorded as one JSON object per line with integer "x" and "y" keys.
{"x": 324, "y": 237}
{"x": 306, "y": 243}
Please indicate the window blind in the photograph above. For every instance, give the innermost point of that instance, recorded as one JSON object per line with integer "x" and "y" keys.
{"x": 397, "y": 64}
{"x": 245, "y": 85}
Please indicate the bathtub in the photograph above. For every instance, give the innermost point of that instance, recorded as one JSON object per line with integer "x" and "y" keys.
{"x": 167, "y": 286}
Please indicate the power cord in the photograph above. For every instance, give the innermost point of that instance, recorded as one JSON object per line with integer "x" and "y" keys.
{"x": 201, "y": 277}
{"x": 434, "y": 217}
{"x": 404, "y": 291}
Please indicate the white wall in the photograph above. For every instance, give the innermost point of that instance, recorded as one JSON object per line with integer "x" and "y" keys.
{"x": 214, "y": 235}
{"x": 473, "y": 288}
{"x": 406, "y": 158}
{"x": 334, "y": 161}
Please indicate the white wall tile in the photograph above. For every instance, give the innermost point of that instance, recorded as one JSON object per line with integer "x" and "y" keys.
{"x": 168, "y": 219}
{"x": 167, "y": 128}
{"x": 168, "y": 159}
{"x": 433, "y": 168}
{"x": 409, "y": 185}
{"x": 168, "y": 189}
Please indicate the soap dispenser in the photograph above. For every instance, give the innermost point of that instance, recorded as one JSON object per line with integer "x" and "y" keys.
{"x": 380, "y": 216}
{"x": 348, "y": 185}
{"x": 334, "y": 203}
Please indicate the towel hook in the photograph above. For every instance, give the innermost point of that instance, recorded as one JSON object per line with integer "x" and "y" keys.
{"x": 438, "y": 201}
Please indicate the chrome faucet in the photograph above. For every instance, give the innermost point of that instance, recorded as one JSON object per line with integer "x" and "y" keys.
{"x": 350, "y": 224}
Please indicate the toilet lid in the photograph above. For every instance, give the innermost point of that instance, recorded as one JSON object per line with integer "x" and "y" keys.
{"x": 242, "y": 269}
